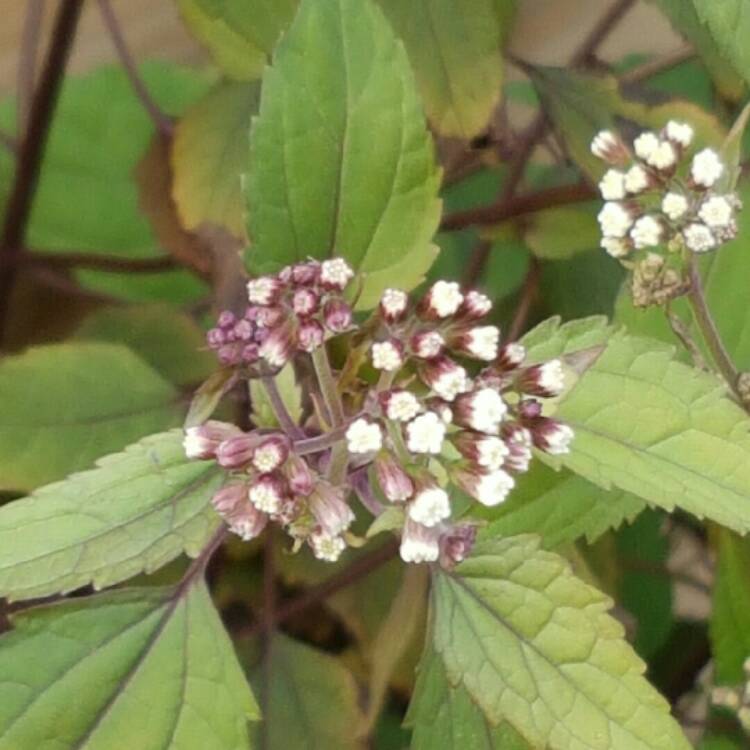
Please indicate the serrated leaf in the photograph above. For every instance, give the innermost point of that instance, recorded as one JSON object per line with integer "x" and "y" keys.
{"x": 263, "y": 414}
{"x": 149, "y": 668}
{"x": 444, "y": 716}
{"x": 312, "y": 700}
{"x": 206, "y": 399}
{"x": 455, "y": 51}
{"x": 167, "y": 340}
{"x": 240, "y": 34}
{"x": 559, "y": 506}
{"x": 134, "y": 512}
{"x": 65, "y": 405}
{"x": 342, "y": 162}
{"x": 552, "y": 338}
{"x": 668, "y": 433}
{"x": 208, "y": 153}
{"x": 534, "y": 646}
{"x": 731, "y": 153}
{"x": 730, "y": 618}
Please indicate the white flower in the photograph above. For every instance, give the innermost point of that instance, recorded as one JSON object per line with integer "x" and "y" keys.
{"x": 261, "y": 291}
{"x": 265, "y": 495}
{"x": 328, "y": 548}
{"x": 614, "y": 219}
{"x": 646, "y": 232}
{"x": 386, "y": 356}
{"x": 612, "y": 185}
{"x": 419, "y": 543}
{"x": 364, "y": 437}
{"x": 493, "y": 488}
{"x": 556, "y": 439}
{"x": 698, "y": 237}
{"x": 482, "y": 410}
{"x": 615, "y": 246}
{"x": 335, "y": 273}
{"x": 491, "y": 452}
{"x": 645, "y": 145}
{"x": 425, "y": 433}
{"x": 636, "y": 179}
{"x": 393, "y": 303}
{"x": 716, "y": 212}
{"x": 402, "y": 406}
{"x": 679, "y": 132}
{"x": 427, "y": 344}
{"x": 476, "y": 304}
{"x": 605, "y": 144}
{"x": 663, "y": 156}
{"x": 445, "y": 298}
{"x": 449, "y": 383}
{"x": 551, "y": 377}
{"x": 674, "y": 206}
{"x": 706, "y": 167}
{"x": 482, "y": 342}
{"x": 430, "y": 506}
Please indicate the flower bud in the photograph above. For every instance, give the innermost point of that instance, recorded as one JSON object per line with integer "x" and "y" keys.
{"x": 396, "y": 484}
{"x": 299, "y": 476}
{"x": 608, "y": 147}
{"x": 475, "y": 306}
{"x": 680, "y": 133}
{"x": 387, "y": 355}
{"x": 363, "y": 436}
{"x": 203, "y": 440}
{"x": 264, "y": 290}
{"x": 699, "y": 238}
{"x": 335, "y": 274}
{"x": 427, "y": 344}
{"x": 229, "y": 355}
{"x": 236, "y": 451}
{"x": 518, "y": 440}
{"x": 310, "y": 335}
{"x": 393, "y": 305}
{"x": 278, "y": 346}
{"x": 529, "y": 409}
{"x": 430, "y": 505}
{"x": 399, "y": 405}
{"x": 546, "y": 380}
{"x": 419, "y": 543}
{"x": 247, "y": 521}
{"x": 271, "y": 453}
{"x": 305, "y": 274}
{"x": 716, "y": 211}
{"x": 337, "y": 315}
{"x": 327, "y": 506}
{"x": 226, "y": 319}
{"x": 510, "y": 357}
{"x": 637, "y": 179}
{"x": 325, "y": 547}
{"x": 615, "y": 219}
{"x": 612, "y": 185}
{"x": 646, "y": 232}
{"x": 551, "y": 436}
{"x": 250, "y": 354}
{"x": 425, "y": 434}
{"x": 706, "y": 168}
{"x": 229, "y": 498}
{"x": 664, "y": 157}
{"x": 269, "y": 317}
{"x": 442, "y": 300}
{"x": 481, "y": 410}
{"x": 266, "y": 493}
{"x": 456, "y": 544}
{"x": 489, "y": 488}
{"x": 485, "y": 451}
{"x": 243, "y": 330}
{"x": 215, "y": 338}
{"x": 480, "y": 342}
{"x": 305, "y": 301}
{"x": 446, "y": 378}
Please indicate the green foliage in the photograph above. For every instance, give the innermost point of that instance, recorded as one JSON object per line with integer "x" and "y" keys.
{"x": 134, "y": 512}
{"x": 534, "y": 646}
{"x": 140, "y": 668}
{"x": 341, "y": 161}
{"x": 263, "y": 414}
{"x": 65, "y": 405}
{"x": 561, "y": 233}
{"x": 455, "y": 50}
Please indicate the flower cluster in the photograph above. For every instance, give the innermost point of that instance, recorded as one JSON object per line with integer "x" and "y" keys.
{"x": 439, "y": 408}
{"x": 289, "y": 312}
{"x": 656, "y": 195}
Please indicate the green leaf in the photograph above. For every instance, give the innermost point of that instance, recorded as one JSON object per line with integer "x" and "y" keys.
{"x": 444, "y": 716}
{"x": 559, "y": 506}
{"x": 208, "y": 396}
{"x": 455, "y": 51}
{"x": 649, "y": 425}
{"x": 312, "y": 700}
{"x": 240, "y": 34}
{"x": 342, "y": 162}
{"x": 208, "y": 152}
{"x": 286, "y": 382}
{"x": 65, "y": 405}
{"x": 550, "y": 339}
{"x": 730, "y": 618}
{"x": 149, "y": 668}
{"x": 561, "y": 233}
{"x": 167, "y": 340}
{"x": 134, "y": 512}
{"x": 534, "y": 646}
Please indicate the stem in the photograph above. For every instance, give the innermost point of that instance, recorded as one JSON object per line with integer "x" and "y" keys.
{"x": 32, "y": 25}
{"x": 361, "y": 484}
{"x": 528, "y": 294}
{"x": 268, "y": 625}
{"x": 327, "y": 383}
{"x": 93, "y": 261}
{"x": 279, "y": 408}
{"x": 601, "y": 31}
{"x": 658, "y": 65}
{"x": 161, "y": 121}
{"x": 707, "y": 326}
{"x": 683, "y": 334}
{"x": 32, "y": 149}
{"x": 319, "y": 443}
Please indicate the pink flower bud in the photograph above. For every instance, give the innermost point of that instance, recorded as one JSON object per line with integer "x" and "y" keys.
{"x": 518, "y": 440}
{"x": 485, "y": 451}
{"x": 393, "y": 305}
{"x": 481, "y": 410}
{"x": 229, "y": 355}
{"x": 203, "y": 440}
{"x": 419, "y": 543}
{"x": 215, "y": 338}
{"x": 299, "y": 476}
{"x": 226, "y": 319}
{"x": 327, "y": 505}
{"x": 264, "y": 290}
{"x": 456, "y": 544}
{"x": 475, "y": 306}
{"x": 399, "y": 405}
{"x": 444, "y": 377}
{"x": 335, "y": 274}
{"x": 305, "y": 274}
{"x": 610, "y": 148}
{"x": 236, "y": 451}
{"x": 271, "y": 453}
{"x": 267, "y": 493}
{"x": 489, "y": 488}
{"x": 396, "y": 484}
{"x": 243, "y": 330}
{"x": 337, "y": 315}
{"x": 250, "y": 354}
{"x": 427, "y": 344}
{"x": 310, "y": 335}
{"x": 546, "y": 380}
{"x": 229, "y": 498}
{"x": 480, "y": 342}
{"x": 551, "y": 436}
{"x": 529, "y": 409}
{"x": 269, "y": 317}
{"x": 277, "y": 348}
{"x": 305, "y": 301}
{"x": 247, "y": 521}
{"x": 442, "y": 300}
{"x": 510, "y": 357}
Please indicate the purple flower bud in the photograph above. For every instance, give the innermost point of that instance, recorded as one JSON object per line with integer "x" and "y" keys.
{"x": 277, "y": 348}
{"x": 229, "y": 498}
{"x": 305, "y": 301}
{"x": 269, "y": 317}
{"x": 335, "y": 274}
{"x": 236, "y": 451}
{"x": 299, "y": 476}
{"x": 310, "y": 335}
{"x": 271, "y": 453}
{"x": 264, "y": 290}
{"x": 456, "y": 544}
{"x": 518, "y": 440}
{"x": 529, "y": 408}
{"x": 229, "y": 355}
{"x": 551, "y": 436}
{"x": 487, "y": 452}
{"x": 442, "y": 300}
{"x": 396, "y": 484}
{"x": 215, "y": 338}
{"x": 546, "y": 380}
{"x": 444, "y": 377}
{"x": 329, "y": 509}
{"x": 489, "y": 487}
{"x": 481, "y": 410}
{"x": 475, "y": 306}
{"x": 393, "y": 305}
{"x": 337, "y": 315}
{"x": 480, "y": 342}
{"x": 243, "y": 330}
{"x": 427, "y": 344}
{"x": 306, "y": 274}
{"x": 418, "y": 543}
{"x": 250, "y": 354}
{"x": 267, "y": 493}
{"x": 247, "y": 521}
{"x": 226, "y": 319}
{"x": 203, "y": 440}
{"x": 510, "y": 357}
{"x": 609, "y": 147}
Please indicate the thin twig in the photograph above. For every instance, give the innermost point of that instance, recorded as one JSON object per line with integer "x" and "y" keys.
{"x": 268, "y": 623}
{"x": 95, "y": 262}
{"x": 683, "y": 334}
{"x": 601, "y": 31}
{"x": 162, "y": 122}
{"x": 529, "y": 292}
{"x": 32, "y": 149}
{"x": 279, "y": 408}
{"x": 657, "y": 65}
{"x": 27, "y": 58}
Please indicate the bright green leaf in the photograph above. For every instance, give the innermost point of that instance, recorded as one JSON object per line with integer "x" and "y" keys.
{"x": 551, "y": 339}
{"x": 455, "y": 51}
{"x": 342, "y": 162}
{"x": 134, "y": 512}
{"x": 208, "y": 152}
{"x": 151, "y": 669}
{"x": 534, "y": 646}
{"x": 728, "y": 22}
{"x": 65, "y": 405}
{"x": 312, "y": 700}
{"x": 240, "y": 34}
{"x": 560, "y": 233}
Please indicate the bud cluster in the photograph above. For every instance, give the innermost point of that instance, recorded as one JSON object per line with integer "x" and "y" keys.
{"x": 736, "y": 699}
{"x": 657, "y": 195}
{"x": 453, "y": 411}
